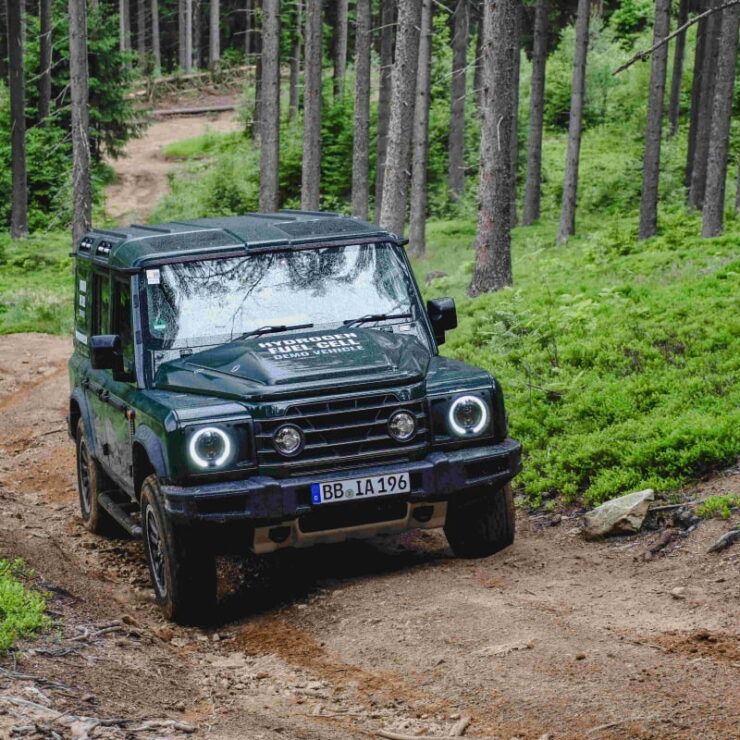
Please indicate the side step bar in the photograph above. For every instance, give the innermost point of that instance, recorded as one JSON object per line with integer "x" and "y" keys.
{"x": 117, "y": 511}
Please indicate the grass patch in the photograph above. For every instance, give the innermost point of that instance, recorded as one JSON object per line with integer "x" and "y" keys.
{"x": 718, "y": 506}
{"x": 619, "y": 360}
{"x": 22, "y": 610}
{"x": 204, "y": 145}
{"x": 35, "y": 284}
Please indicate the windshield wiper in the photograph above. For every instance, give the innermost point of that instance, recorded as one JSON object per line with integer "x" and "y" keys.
{"x": 270, "y": 330}
{"x": 376, "y": 317}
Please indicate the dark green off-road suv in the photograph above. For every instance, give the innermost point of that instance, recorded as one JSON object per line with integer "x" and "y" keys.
{"x": 268, "y": 381}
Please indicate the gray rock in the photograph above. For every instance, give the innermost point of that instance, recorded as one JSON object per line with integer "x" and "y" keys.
{"x": 623, "y": 515}
{"x": 434, "y": 275}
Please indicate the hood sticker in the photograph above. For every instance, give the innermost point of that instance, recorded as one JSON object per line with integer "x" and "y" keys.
{"x": 323, "y": 344}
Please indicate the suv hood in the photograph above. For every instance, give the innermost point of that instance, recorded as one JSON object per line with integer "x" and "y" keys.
{"x": 283, "y": 364}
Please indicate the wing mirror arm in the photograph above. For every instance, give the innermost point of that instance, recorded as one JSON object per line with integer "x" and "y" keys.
{"x": 443, "y": 316}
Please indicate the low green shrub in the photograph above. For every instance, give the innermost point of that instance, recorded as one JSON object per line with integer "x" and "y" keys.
{"x": 22, "y": 610}
{"x": 718, "y": 506}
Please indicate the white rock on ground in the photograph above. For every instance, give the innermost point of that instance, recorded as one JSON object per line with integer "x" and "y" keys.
{"x": 623, "y": 515}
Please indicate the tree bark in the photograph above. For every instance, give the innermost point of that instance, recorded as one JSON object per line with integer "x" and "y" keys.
{"x": 141, "y": 26}
{"x": 573, "y": 156}
{"x": 515, "y": 117}
{"x": 714, "y": 197}
{"x": 124, "y": 24}
{"x": 704, "y": 113}
{"x": 248, "y": 24}
{"x": 214, "y": 46}
{"x": 493, "y": 244}
{"x": 696, "y": 88}
{"x": 654, "y": 124}
{"x": 45, "y": 51}
{"x": 674, "y": 107}
{"x": 270, "y": 127}
{"x": 340, "y": 48}
{"x": 3, "y": 40}
{"x": 294, "y": 97}
{"x": 19, "y": 204}
{"x": 737, "y": 190}
{"x": 156, "y": 46}
{"x": 533, "y": 187}
{"x": 180, "y": 32}
{"x": 403, "y": 86}
{"x": 420, "y": 141}
{"x": 197, "y": 34}
{"x": 478, "y": 68}
{"x": 81, "y": 182}
{"x": 458, "y": 85}
{"x": 311, "y": 175}
{"x": 188, "y": 19}
{"x": 361, "y": 132}
{"x": 387, "y": 23}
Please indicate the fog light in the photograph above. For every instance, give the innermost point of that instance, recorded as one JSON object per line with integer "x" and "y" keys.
{"x": 288, "y": 440}
{"x": 402, "y": 426}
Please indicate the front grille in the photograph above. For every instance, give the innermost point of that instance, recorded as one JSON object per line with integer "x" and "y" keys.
{"x": 341, "y": 434}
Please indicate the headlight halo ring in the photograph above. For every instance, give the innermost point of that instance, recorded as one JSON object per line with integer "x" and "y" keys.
{"x": 479, "y": 427}
{"x": 201, "y": 461}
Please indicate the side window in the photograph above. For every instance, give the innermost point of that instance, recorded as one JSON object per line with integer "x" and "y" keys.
{"x": 101, "y": 308}
{"x": 122, "y": 322}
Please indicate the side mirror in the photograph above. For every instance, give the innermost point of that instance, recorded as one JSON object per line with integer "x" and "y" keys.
{"x": 105, "y": 352}
{"x": 443, "y": 315}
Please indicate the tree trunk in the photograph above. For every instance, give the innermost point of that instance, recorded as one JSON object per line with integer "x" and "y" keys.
{"x": 81, "y": 183}
{"x": 458, "y": 85}
{"x": 533, "y": 187}
{"x": 515, "y": 117}
{"x": 387, "y": 23}
{"x": 156, "y": 46}
{"x": 420, "y": 141}
{"x": 696, "y": 88}
{"x": 403, "y": 86}
{"x": 311, "y": 175}
{"x": 19, "y": 205}
{"x": 340, "y": 47}
{"x": 197, "y": 34}
{"x": 45, "y": 51}
{"x": 573, "y": 156}
{"x": 704, "y": 114}
{"x": 737, "y": 190}
{"x": 188, "y": 37}
{"x": 141, "y": 26}
{"x": 294, "y": 98}
{"x": 361, "y": 133}
{"x": 493, "y": 244}
{"x": 124, "y": 24}
{"x": 478, "y": 68}
{"x": 180, "y": 33}
{"x": 674, "y": 108}
{"x": 214, "y": 46}
{"x": 654, "y": 124}
{"x": 3, "y": 40}
{"x": 248, "y": 24}
{"x": 270, "y": 127}
{"x": 724, "y": 88}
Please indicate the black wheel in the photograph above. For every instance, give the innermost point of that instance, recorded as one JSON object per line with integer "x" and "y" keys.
{"x": 481, "y": 523}
{"x": 182, "y": 567}
{"x": 91, "y": 481}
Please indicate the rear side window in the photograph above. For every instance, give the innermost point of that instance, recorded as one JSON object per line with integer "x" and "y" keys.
{"x": 122, "y": 322}
{"x": 101, "y": 310}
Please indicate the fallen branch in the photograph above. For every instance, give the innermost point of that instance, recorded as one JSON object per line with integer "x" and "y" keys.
{"x": 598, "y": 728}
{"x": 667, "y": 507}
{"x": 196, "y": 111}
{"x": 641, "y": 56}
{"x": 725, "y": 541}
{"x": 156, "y": 724}
{"x": 28, "y": 677}
{"x": 458, "y": 729}
{"x": 396, "y": 736}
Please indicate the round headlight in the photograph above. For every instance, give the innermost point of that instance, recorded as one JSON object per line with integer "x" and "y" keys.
{"x": 210, "y": 447}
{"x": 468, "y": 416}
{"x": 288, "y": 440}
{"x": 402, "y": 426}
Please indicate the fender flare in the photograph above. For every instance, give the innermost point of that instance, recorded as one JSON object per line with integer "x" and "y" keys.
{"x": 78, "y": 396}
{"x": 152, "y": 445}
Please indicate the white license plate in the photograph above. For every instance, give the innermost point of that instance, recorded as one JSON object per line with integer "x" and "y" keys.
{"x": 358, "y": 489}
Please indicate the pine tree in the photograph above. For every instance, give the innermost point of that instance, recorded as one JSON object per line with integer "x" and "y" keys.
{"x": 573, "y": 156}
{"x": 387, "y": 20}
{"x": 533, "y": 188}
{"x": 311, "y": 174}
{"x": 270, "y": 106}
{"x": 654, "y": 124}
{"x": 214, "y": 36}
{"x": 674, "y": 106}
{"x": 500, "y": 45}
{"x": 361, "y": 128}
{"x": 295, "y": 65}
{"x": 19, "y": 207}
{"x": 156, "y": 45}
{"x": 458, "y": 85}
{"x": 45, "y": 48}
{"x": 340, "y": 47}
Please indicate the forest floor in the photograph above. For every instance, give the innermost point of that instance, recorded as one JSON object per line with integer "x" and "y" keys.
{"x": 553, "y": 636}
{"x": 141, "y": 173}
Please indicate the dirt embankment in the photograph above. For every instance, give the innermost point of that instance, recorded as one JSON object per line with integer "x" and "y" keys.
{"x": 553, "y": 636}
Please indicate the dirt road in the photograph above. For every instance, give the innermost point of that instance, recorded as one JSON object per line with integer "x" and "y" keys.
{"x": 141, "y": 174}
{"x": 553, "y": 636}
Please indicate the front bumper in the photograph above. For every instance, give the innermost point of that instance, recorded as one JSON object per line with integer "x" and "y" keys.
{"x": 260, "y": 500}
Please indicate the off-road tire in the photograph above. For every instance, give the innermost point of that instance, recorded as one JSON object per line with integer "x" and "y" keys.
{"x": 481, "y": 523}
{"x": 91, "y": 480}
{"x": 182, "y": 567}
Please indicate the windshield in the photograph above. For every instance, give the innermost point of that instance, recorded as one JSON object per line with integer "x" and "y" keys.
{"x": 195, "y": 304}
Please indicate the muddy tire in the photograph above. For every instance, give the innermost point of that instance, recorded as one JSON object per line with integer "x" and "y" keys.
{"x": 91, "y": 480}
{"x": 182, "y": 567}
{"x": 481, "y": 523}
